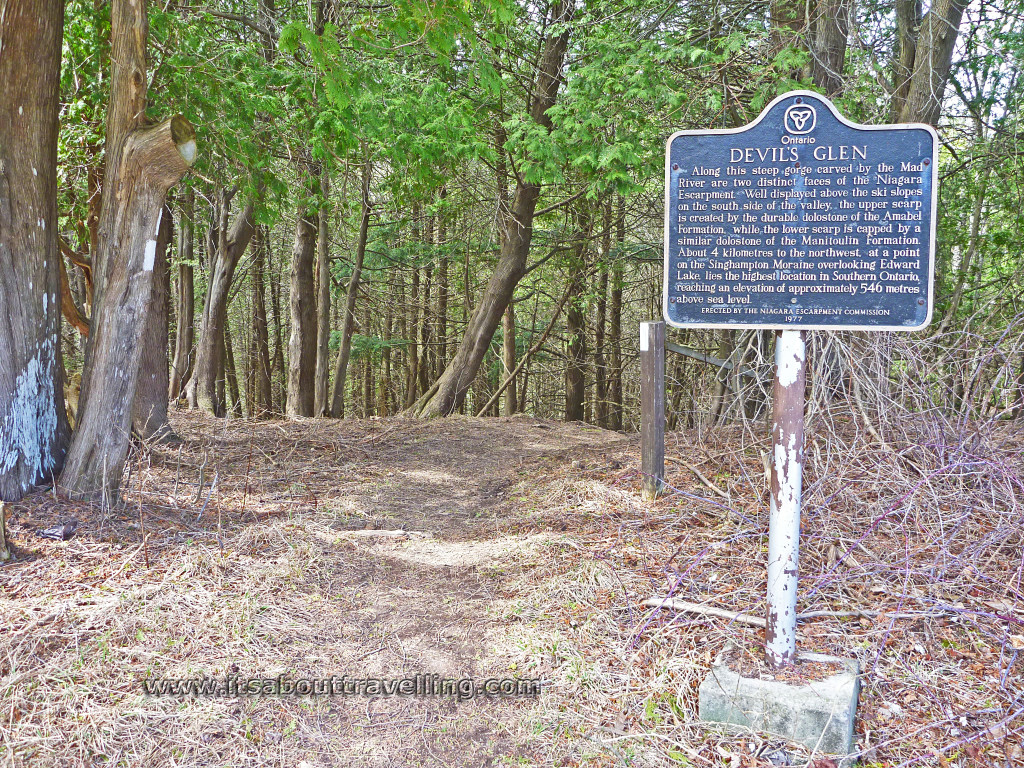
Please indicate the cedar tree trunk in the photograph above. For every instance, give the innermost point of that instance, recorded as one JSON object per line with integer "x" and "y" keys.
{"x": 302, "y": 304}
{"x": 33, "y": 423}
{"x": 341, "y": 369}
{"x": 181, "y": 369}
{"x": 202, "y": 388}
{"x": 149, "y": 411}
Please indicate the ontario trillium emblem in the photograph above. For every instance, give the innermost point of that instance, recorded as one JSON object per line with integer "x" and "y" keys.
{"x": 800, "y": 118}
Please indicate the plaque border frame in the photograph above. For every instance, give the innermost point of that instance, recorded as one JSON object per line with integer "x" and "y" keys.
{"x": 796, "y": 325}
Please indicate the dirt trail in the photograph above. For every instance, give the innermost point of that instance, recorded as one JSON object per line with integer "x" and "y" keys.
{"x": 368, "y": 549}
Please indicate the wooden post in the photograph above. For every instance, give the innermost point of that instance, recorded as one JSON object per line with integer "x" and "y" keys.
{"x": 786, "y": 484}
{"x": 652, "y": 407}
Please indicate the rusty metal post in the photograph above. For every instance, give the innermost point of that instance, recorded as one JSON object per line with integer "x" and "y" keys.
{"x": 786, "y": 480}
{"x": 652, "y": 408}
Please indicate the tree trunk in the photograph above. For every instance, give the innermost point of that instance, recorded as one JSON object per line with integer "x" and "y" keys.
{"x": 615, "y": 326}
{"x": 149, "y": 410}
{"x": 277, "y": 368}
{"x": 467, "y": 311}
{"x": 153, "y": 160}
{"x": 231, "y": 374}
{"x": 720, "y": 393}
{"x": 828, "y": 44}
{"x": 68, "y": 304}
{"x": 412, "y": 354}
{"x": 367, "y": 364}
{"x": 203, "y": 388}
{"x": 302, "y": 305}
{"x": 181, "y": 369}
{"x": 908, "y": 24}
{"x": 601, "y": 311}
{"x": 323, "y": 306}
{"x": 33, "y": 423}
{"x": 218, "y": 217}
{"x": 260, "y": 395}
{"x": 450, "y": 390}
{"x": 932, "y": 57}
{"x": 523, "y": 384}
{"x": 349, "y": 323}
{"x": 384, "y": 381}
{"x": 508, "y": 350}
{"x": 442, "y": 291}
{"x": 425, "y": 342}
{"x": 575, "y": 347}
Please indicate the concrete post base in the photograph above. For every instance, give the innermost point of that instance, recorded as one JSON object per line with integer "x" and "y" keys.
{"x": 819, "y": 714}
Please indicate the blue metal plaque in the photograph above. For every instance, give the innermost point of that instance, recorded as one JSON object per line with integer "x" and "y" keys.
{"x": 801, "y": 219}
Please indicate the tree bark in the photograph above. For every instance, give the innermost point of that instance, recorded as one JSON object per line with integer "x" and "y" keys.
{"x": 932, "y": 57}
{"x": 508, "y": 350}
{"x": 181, "y": 368}
{"x": 323, "y": 306}
{"x": 277, "y": 367}
{"x": 442, "y": 290}
{"x": 601, "y": 319}
{"x": 33, "y": 423}
{"x": 615, "y": 326}
{"x": 302, "y": 305}
{"x": 153, "y": 160}
{"x": 367, "y": 364}
{"x": 260, "y": 396}
{"x": 412, "y": 353}
{"x": 231, "y": 374}
{"x": 68, "y": 305}
{"x": 575, "y": 345}
{"x": 202, "y": 389}
{"x": 149, "y": 409}
{"x": 384, "y": 381}
{"x": 828, "y": 44}
{"x": 425, "y": 327}
{"x": 908, "y": 24}
{"x": 348, "y": 327}
{"x": 450, "y": 389}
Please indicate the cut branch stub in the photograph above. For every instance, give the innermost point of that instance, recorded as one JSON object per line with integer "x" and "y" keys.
{"x": 160, "y": 156}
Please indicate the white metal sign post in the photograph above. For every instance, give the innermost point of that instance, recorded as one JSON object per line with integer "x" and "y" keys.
{"x": 786, "y": 484}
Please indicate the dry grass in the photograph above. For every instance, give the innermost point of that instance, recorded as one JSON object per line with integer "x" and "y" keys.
{"x": 272, "y": 570}
{"x": 929, "y": 548}
{"x": 537, "y": 559}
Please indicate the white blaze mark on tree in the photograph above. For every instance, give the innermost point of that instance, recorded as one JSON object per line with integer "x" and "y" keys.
{"x": 30, "y": 424}
{"x": 150, "y": 257}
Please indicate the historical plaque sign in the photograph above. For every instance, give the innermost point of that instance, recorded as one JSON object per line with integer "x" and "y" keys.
{"x": 801, "y": 219}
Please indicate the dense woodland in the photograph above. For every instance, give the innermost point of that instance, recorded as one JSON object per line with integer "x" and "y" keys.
{"x": 433, "y": 207}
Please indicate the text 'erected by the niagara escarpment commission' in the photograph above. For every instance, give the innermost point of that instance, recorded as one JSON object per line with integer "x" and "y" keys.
{"x": 800, "y": 220}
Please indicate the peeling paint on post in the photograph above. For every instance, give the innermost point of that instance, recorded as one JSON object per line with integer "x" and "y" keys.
{"x": 787, "y": 480}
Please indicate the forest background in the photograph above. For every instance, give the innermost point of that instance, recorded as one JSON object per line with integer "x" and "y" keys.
{"x": 441, "y": 207}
